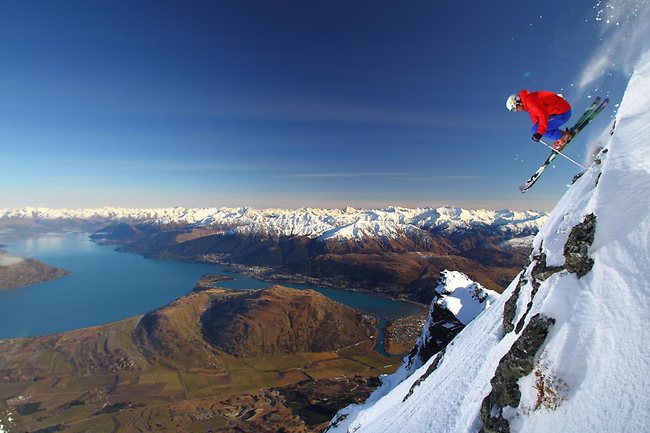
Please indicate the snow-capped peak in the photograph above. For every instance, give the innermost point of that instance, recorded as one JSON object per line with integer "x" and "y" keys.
{"x": 465, "y": 298}
{"x": 341, "y": 224}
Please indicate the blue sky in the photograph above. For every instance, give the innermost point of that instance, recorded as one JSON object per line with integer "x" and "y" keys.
{"x": 290, "y": 103}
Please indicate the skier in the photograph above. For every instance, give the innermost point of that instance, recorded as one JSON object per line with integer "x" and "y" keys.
{"x": 548, "y": 111}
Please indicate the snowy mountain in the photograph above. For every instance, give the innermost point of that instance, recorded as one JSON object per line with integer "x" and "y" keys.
{"x": 397, "y": 251}
{"x": 463, "y": 297}
{"x": 347, "y": 223}
{"x": 458, "y": 301}
{"x": 565, "y": 347}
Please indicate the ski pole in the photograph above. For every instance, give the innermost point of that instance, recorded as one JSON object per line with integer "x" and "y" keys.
{"x": 560, "y": 153}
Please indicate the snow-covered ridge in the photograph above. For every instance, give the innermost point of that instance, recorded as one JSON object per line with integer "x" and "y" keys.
{"x": 465, "y": 298}
{"x": 456, "y": 294}
{"x": 347, "y": 223}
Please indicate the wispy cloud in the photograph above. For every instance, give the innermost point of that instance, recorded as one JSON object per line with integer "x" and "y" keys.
{"x": 347, "y": 175}
{"x": 7, "y": 260}
{"x": 392, "y": 175}
{"x": 171, "y": 166}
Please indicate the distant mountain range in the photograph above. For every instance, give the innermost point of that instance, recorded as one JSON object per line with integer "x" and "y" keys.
{"x": 397, "y": 251}
{"x": 347, "y": 223}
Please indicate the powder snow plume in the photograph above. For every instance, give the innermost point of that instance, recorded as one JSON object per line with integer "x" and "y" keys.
{"x": 624, "y": 38}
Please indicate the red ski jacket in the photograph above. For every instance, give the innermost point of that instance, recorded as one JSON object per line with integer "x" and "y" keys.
{"x": 542, "y": 104}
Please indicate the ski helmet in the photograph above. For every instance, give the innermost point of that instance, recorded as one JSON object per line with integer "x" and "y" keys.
{"x": 512, "y": 102}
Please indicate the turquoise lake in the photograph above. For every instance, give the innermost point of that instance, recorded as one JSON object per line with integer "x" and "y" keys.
{"x": 105, "y": 286}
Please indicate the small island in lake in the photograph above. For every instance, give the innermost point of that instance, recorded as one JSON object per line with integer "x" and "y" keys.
{"x": 20, "y": 271}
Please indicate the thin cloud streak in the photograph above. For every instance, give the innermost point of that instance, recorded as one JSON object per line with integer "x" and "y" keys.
{"x": 346, "y": 175}
{"x": 392, "y": 175}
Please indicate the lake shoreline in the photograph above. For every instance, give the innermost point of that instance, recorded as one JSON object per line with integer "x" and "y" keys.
{"x": 107, "y": 286}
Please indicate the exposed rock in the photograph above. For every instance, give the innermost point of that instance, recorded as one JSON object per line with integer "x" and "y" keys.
{"x": 434, "y": 364}
{"x": 510, "y": 307}
{"x": 443, "y": 327}
{"x": 515, "y": 364}
{"x": 541, "y": 271}
{"x": 576, "y": 253}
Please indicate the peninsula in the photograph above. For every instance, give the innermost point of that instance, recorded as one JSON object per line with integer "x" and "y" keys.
{"x": 20, "y": 271}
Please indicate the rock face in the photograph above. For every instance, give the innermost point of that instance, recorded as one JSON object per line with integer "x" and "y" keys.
{"x": 517, "y": 363}
{"x": 576, "y": 249}
{"x": 277, "y": 320}
{"x": 458, "y": 300}
{"x": 441, "y": 327}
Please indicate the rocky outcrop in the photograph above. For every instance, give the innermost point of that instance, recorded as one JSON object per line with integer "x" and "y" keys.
{"x": 540, "y": 272}
{"x": 458, "y": 300}
{"x": 517, "y": 363}
{"x": 510, "y": 307}
{"x": 441, "y": 327}
{"x": 577, "y": 261}
{"x": 576, "y": 252}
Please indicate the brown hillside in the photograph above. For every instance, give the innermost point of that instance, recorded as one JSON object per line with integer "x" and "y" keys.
{"x": 195, "y": 329}
{"x": 282, "y": 320}
{"x": 25, "y": 272}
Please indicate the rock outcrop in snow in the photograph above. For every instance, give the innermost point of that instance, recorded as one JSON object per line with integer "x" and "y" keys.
{"x": 565, "y": 347}
{"x": 457, "y": 302}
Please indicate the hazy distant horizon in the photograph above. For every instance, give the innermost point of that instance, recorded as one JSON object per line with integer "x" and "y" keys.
{"x": 325, "y": 206}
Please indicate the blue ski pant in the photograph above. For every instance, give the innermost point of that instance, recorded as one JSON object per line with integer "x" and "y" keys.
{"x": 554, "y": 122}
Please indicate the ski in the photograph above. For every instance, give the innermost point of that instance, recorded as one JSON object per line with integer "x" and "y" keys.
{"x": 590, "y": 113}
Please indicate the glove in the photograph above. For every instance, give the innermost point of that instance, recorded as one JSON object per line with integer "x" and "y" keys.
{"x": 536, "y": 137}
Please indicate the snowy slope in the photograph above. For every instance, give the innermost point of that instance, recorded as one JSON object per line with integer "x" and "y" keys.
{"x": 465, "y": 298}
{"x": 565, "y": 348}
{"x": 339, "y": 224}
{"x": 457, "y": 302}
